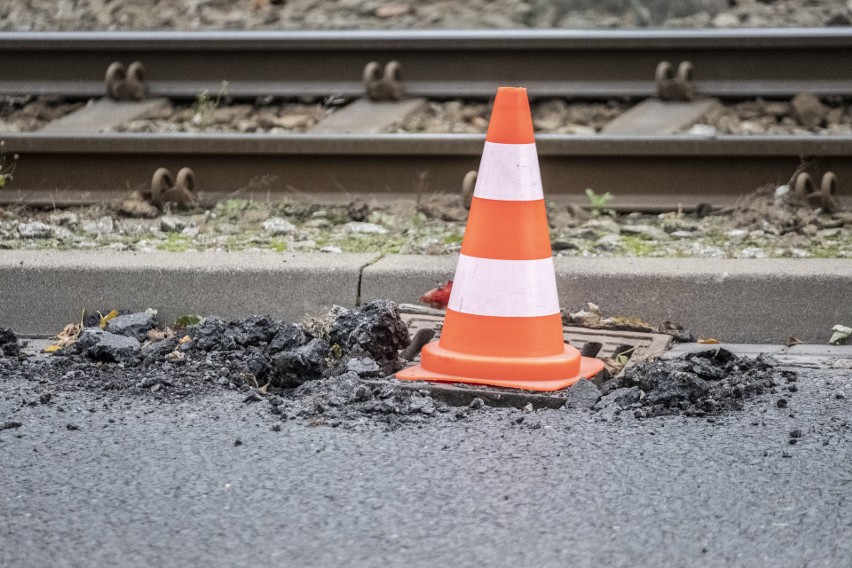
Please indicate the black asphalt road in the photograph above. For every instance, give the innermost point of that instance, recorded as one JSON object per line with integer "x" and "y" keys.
{"x": 142, "y": 483}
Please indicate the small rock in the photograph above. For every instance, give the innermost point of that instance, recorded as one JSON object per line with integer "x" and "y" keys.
{"x": 646, "y": 231}
{"x": 365, "y": 228}
{"x": 809, "y": 230}
{"x": 358, "y": 210}
{"x": 62, "y": 234}
{"x": 752, "y": 252}
{"x": 35, "y": 230}
{"x": 374, "y": 329}
{"x": 364, "y": 367}
{"x": 64, "y": 219}
{"x": 171, "y": 224}
{"x": 809, "y": 109}
{"x": 292, "y": 121}
{"x": 726, "y": 20}
{"x": 331, "y": 249}
{"x": 622, "y": 397}
{"x": 102, "y": 345}
{"x": 70, "y": 426}
{"x": 132, "y": 325}
{"x": 796, "y": 434}
{"x": 8, "y": 343}
{"x": 288, "y": 336}
{"x": 839, "y": 19}
{"x": 839, "y": 395}
{"x": 781, "y": 403}
{"x": 103, "y": 226}
{"x": 563, "y": 244}
{"x": 392, "y": 10}
{"x": 604, "y": 224}
{"x": 701, "y": 130}
{"x": 293, "y": 367}
{"x": 582, "y": 233}
{"x": 682, "y": 234}
{"x": 277, "y": 226}
{"x": 609, "y": 243}
{"x": 829, "y": 233}
{"x": 135, "y": 208}
{"x": 582, "y": 395}
{"x": 318, "y": 224}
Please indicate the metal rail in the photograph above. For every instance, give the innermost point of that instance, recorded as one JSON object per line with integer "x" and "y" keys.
{"x": 566, "y": 63}
{"x": 643, "y": 173}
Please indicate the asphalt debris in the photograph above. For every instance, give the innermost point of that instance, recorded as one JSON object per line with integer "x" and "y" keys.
{"x": 8, "y": 343}
{"x": 309, "y": 370}
{"x": 324, "y": 370}
{"x": 699, "y": 384}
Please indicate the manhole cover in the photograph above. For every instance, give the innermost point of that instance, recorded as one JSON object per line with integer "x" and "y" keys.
{"x": 644, "y": 344}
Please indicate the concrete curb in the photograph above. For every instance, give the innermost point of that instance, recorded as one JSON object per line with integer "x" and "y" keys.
{"x": 743, "y": 301}
{"x": 43, "y": 291}
{"x": 747, "y": 301}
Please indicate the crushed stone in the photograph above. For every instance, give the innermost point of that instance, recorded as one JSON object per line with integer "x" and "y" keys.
{"x": 803, "y": 114}
{"x": 47, "y": 15}
{"x": 28, "y": 113}
{"x": 766, "y": 223}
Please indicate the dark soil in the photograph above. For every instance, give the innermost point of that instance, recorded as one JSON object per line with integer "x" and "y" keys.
{"x": 313, "y": 370}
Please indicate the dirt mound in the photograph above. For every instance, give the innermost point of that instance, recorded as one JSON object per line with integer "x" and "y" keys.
{"x": 707, "y": 382}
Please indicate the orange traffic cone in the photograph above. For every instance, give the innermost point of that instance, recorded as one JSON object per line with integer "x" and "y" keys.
{"x": 503, "y": 325}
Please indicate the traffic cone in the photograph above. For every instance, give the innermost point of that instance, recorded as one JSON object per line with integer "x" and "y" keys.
{"x": 503, "y": 325}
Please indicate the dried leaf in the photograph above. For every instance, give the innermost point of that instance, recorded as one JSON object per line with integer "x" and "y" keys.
{"x": 709, "y": 341}
{"x": 159, "y": 334}
{"x": 791, "y": 341}
{"x": 68, "y": 335}
{"x": 105, "y": 318}
{"x": 185, "y": 339}
{"x": 175, "y": 355}
{"x": 52, "y": 348}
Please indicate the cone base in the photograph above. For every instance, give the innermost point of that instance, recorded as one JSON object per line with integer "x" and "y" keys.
{"x": 588, "y": 368}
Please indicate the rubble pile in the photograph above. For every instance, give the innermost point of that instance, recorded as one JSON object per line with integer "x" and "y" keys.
{"x": 699, "y": 384}
{"x": 320, "y": 370}
{"x": 310, "y": 370}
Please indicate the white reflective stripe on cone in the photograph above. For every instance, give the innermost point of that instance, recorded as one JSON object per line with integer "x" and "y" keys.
{"x": 504, "y": 288}
{"x": 509, "y": 172}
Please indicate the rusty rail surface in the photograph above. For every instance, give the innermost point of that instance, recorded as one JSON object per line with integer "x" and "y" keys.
{"x": 566, "y": 63}
{"x": 643, "y": 173}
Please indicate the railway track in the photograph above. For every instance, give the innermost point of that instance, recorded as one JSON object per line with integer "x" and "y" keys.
{"x": 550, "y": 63}
{"x": 643, "y": 173}
{"x": 641, "y": 167}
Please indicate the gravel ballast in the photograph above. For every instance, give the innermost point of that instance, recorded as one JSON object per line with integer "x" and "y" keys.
{"x": 45, "y": 15}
